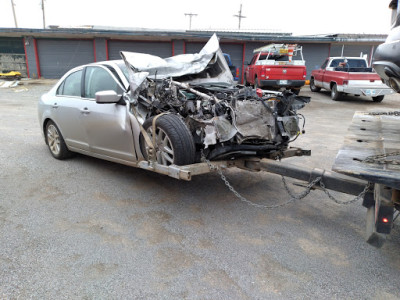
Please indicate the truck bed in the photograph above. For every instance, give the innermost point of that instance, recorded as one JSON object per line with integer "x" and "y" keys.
{"x": 370, "y": 134}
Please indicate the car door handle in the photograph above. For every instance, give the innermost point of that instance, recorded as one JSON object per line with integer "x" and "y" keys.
{"x": 55, "y": 105}
{"x": 85, "y": 110}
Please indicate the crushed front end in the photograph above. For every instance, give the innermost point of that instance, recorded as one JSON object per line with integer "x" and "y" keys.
{"x": 225, "y": 120}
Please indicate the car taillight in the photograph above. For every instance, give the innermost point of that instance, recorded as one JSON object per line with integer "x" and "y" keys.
{"x": 345, "y": 82}
{"x": 304, "y": 73}
{"x": 237, "y": 72}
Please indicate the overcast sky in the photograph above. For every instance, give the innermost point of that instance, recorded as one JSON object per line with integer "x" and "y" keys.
{"x": 296, "y": 16}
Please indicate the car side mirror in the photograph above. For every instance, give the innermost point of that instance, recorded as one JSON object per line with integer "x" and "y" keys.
{"x": 103, "y": 97}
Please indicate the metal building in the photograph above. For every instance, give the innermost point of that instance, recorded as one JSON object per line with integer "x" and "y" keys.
{"x": 49, "y": 53}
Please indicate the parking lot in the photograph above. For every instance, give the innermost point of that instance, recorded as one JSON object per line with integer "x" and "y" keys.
{"x": 90, "y": 229}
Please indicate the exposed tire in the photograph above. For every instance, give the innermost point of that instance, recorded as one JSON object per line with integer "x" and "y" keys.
{"x": 55, "y": 141}
{"x": 174, "y": 142}
{"x": 313, "y": 87}
{"x": 378, "y": 98}
{"x": 335, "y": 95}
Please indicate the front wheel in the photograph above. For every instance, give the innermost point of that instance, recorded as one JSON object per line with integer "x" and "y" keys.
{"x": 313, "y": 87}
{"x": 173, "y": 141}
{"x": 378, "y": 98}
{"x": 55, "y": 141}
{"x": 335, "y": 95}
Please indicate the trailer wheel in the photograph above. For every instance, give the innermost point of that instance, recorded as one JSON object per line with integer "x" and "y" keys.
{"x": 335, "y": 95}
{"x": 174, "y": 142}
{"x": 313, "y": 87}
{"x": 378, "y": 98}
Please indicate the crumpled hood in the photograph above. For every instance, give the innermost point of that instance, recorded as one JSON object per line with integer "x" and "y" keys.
{"x": 191, "y": 67}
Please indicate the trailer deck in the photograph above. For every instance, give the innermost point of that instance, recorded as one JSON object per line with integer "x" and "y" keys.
{"x": 371, "y": 151}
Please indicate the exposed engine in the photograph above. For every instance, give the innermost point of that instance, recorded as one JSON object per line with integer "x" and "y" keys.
{"x": 227, "y": 121}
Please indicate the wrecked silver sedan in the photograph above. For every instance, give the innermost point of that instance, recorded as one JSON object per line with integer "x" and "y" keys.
{"x": 159, "y": 114}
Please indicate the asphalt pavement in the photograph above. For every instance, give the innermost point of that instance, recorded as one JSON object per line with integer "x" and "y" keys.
{"x": 84, "y": 228}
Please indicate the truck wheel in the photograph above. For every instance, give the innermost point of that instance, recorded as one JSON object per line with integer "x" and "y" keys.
{"x": 378, "y": 98}
{"x": 174, "y": 142}
{"x": 245, "y": 83}
{"x": 255, "y": 82}
{"x": 335, "y": 95}
{"x": 313, "y": 87}
{"x": 295, "y": 91}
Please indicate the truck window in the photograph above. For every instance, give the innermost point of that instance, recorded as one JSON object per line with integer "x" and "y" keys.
{"x": 324, "y": 64}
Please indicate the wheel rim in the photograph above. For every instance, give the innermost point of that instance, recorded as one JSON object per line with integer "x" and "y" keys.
{"x": 53, "y": 139}
{"x": 164, "y": 149}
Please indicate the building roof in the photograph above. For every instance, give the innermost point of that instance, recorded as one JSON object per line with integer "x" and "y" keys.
{"x": 89, "y": 31}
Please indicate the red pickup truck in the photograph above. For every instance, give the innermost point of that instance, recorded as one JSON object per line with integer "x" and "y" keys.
{"x": 348, "y": 75}
{"x": 277, "y": 66}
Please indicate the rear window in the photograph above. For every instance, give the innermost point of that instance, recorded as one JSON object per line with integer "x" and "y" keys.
{"x": 351, "y": 63}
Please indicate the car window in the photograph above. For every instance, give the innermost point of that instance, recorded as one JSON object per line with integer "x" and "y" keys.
{"x": 98, "y": 79}
{"x": 71, "y": 86}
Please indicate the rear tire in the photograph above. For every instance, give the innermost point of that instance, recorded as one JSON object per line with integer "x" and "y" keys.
{"x": 174, "y": 142}
{"x": 55, "y": 142}
{"x": 256, "y": 86}
{"x": 378, "y": 98}
{"x": 335, "y": 95}
{"x": 313, "y": 87}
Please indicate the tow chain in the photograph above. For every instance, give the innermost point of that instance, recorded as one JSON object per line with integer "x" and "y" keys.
{"x": 293, "y": 198}
{"x": 382, "y": 159}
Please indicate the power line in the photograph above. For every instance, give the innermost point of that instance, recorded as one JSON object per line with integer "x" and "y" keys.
{"x": 190, "y": 19}
{"x": 240, "y": 16}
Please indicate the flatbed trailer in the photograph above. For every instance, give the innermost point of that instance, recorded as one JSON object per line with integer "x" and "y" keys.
{"x": 368, "y": 165}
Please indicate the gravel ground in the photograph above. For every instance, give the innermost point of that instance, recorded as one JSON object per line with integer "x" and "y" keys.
{"x": 90, "y": 229}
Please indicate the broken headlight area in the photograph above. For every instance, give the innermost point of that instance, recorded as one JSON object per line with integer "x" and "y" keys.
{"x": 226, "y": 121}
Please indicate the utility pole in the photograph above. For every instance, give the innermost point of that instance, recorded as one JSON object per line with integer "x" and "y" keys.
{"x": 190, "y": 19}
{"x": 240, "y": 16}
{"x": 15, "y": 17}
{"x": 44, "y": 19}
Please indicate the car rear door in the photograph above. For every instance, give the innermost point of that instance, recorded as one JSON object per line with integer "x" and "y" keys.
{"x": 66, "y": 111}
{"x": 107, "y": 125}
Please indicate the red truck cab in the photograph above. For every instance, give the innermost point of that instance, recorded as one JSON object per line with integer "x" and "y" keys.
{"x": 277, "y": 66}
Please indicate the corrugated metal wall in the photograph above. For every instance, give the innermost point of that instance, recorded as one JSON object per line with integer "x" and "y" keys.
{"x": 314, "y": 55}
{"x": 162, "y": 49}
{"x": 57, "y": 56}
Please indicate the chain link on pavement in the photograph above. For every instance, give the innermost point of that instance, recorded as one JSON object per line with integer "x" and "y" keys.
{"x": 293, "y": 197}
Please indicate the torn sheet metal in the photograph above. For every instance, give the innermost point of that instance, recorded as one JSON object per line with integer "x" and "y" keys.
{"x": 254, "y": 120}
{"x": 209, "y": 57}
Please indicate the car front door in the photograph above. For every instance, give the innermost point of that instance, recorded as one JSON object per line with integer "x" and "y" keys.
{"x": 107, "y": 125}
{"x": 66, "y": 111}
